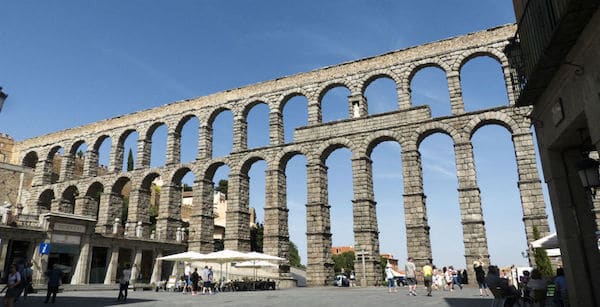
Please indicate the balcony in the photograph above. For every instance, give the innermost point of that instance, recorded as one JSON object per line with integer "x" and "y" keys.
{"x": 546, "y": 32}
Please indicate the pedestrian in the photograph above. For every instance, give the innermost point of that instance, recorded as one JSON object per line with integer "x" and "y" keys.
{"x": 411, "y": 275}
{"x": 195, "y": 277}
{"x": 428, "y": 277}
{"x": 494, "y": 281}
{"x": 124, "y": 283}
{"x": 206, "y": 284}
{"x": 352, "y": 278}
{"x": 26, "y": 276}
{"x": 389, "y": 275}
{"x": 188, "y": 282}
{"x": 447, "y": 279}
{"x": 54, "y": 276}
{"x": 211, "y": 279}
{"x": 561, "y": 296}
{"x": 480, "y": 277}
{"x": 12, "y": 285}
{"x": 455, "y": 280}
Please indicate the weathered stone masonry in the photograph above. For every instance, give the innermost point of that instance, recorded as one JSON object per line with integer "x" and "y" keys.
{"x": 360, "y": 133}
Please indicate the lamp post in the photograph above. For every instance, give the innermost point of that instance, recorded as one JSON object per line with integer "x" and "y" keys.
{"x": 3, "y": 96}
{"x": 363, "y": 282}
{"x": 587, "y": 169}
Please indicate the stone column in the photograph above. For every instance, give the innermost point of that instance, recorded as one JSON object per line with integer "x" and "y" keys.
{"x": 319, "y": 270}
{"x": 66, "y": 168}
{"x": 116, "y": 159}
{"x": 173, "y": 148}
{"x": 80, "y": 276}
{"x": 90, "y": 164}
{"x": 62, "y": 205}
{"x": 85, "y": 205}
{"x": 417, "y": 229}
{"x": 240, "y": 133}
{"x": 202, "y": 225}
{"x": 3, "y": 251}
{"x": 137, "y": 262}
{"x": 144, "y": 151}
{"x": 366, "y": 233}
{"x": 506, "y": 70}
{"x": 357, "y": 106}
{"x": 276, "y": 136}
{"x": 469, "y": 200}
{"x": 530, "y": 187}
{"x": 315, "y": 115}
{"x": 43, "y": 173}
{"x": 455, "y": 91}
{"x": 139, "y": 206}
{"x": 169, "y": 213}
{"x": 404, "y": 95}
{"x": 157, "y": 268}
{"x": 237, "y": 223}
{"x": 113, "y": 266}
{"x": 276, "y": 238}
{"x": 205, "y": 142}
{"x": 110, "y": 208}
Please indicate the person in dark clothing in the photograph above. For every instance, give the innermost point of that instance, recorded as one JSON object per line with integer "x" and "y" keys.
{"x": 499, "y": 287}
{"x": 53, "y": 275}
{"x": 195, "y": 278}
{"x": 480, "y": 277}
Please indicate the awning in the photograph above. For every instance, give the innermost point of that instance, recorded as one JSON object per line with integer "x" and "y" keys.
{"x": 547, "y": 242}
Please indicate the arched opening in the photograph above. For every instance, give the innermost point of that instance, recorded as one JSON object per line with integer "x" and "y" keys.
{"x": 30, "y": 160}
{"x": 148, "y": 204}
{"x": 94, "y": 195}
{"x": 222, "y": 130}
{"x": 67, "y": 202}
{"x": 55, "y": 159}
{"x": 382, "y": 95}
{"x": 295, "y": 114}
{"x": 429, "y": 86}
{"x": 497, "y": 176}
{"x": 443, "y": 211}
{"x": 158, "y": 151}
{"x": 45, "y": 201}
{"x": 334, "y": 104}
{"x": 388, "y": 191}
{"x": 129, "y": 142}
{"x": 257, "y": 119}
{"x": 78, "y": 152}
{"x": 295, "y": 172}
{"x": 120, "y": 207}
{"x": 257, "y": 201}
{"x": 188, "y": 130}
{"x": 482, "y": 82}
{"x": 220, "y": 177}
{"x": 340, "y": 193}
{"x": 103, "y": 147}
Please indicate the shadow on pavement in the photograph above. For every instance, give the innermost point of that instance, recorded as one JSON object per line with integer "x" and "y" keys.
{"x": 73, "y": 301}
{"x": 461, "y": 301}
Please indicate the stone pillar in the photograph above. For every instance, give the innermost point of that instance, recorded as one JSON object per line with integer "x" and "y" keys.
{"x": 469, "y": 200}
{"x": 205, "y": 142}
{"x": 455, "y": 91}
{"x": 144, "y": 151}
{"x": 80, "y": 276}
{"x": 417, "y": 229}
{"x": 315, "y": 115}
{"x": 404, "y": 95}
{"x": 90, "y": 164}
{"x": 113, "y": 266}
{"x": 62, "y": 205}
{"x": 3, "y": 252}
{"x": 510, "y": 87}
{"x": 137, "y": 263}
{"x": 156, "y": 268}
{"x": 575, "y": 225}
{"x": 40, "y": 264}
{"x": 110, "y": 208}
{"x": 366, "y": 233}
{"x": 530, "y": 187}
{"x": 237, "y": 223}
{"x": 169, "y": 213}
{"x": 357, "y": 106}
{"x": 240, "y": 133}
{"x": 202, "y": 225}
{"x": 173, "y": 148}
{"x": 43, "y": 173}
{"x": 116, "y": 158}
{"x": 139, "y": 206}
{"x": 276, "y": 136}
{"x": 319, "y": 270}
{"x": 66, "y": 168}
{"x": 86, "y": 205}
{"x": 276, "y": 238}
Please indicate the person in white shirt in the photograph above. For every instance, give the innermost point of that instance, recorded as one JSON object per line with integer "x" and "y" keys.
{"x": 124, "y": 283}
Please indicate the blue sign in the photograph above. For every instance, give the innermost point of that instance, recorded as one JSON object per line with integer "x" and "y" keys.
{"x": 44, "y": 248}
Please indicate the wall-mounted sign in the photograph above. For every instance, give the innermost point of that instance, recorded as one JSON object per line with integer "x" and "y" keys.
{"x": 69, "y": 227}
{"x": 66, "y": 239}
{"x": 44, "y": 248}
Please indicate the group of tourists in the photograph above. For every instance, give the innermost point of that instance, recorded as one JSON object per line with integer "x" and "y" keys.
{"x": 191, "y": 280}
{"x": 19, "y": 283}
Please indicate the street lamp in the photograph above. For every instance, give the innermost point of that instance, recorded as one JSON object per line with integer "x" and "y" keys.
{"x": 587, "y": 168}
{"x": 3, "y": 96}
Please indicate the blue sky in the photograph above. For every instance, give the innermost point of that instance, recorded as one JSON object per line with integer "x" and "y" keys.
{"x": 69, "y": 63}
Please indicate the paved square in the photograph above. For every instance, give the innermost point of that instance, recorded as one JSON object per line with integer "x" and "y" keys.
{"x": 312, "y": 297}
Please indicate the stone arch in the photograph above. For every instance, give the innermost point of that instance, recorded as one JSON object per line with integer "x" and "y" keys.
{"x": 330, "y": 146}
{"x": 99, "y": 141}
{"x": 53, "y": 152}
{"x": 251, "y": 104}
{"x": 30, "y": 160}
{"x": 184, "y": 120}
{"x": 124, "y": 135}
{"x": 287, "y": 96}
{"x": 497, "y": 118}
{"x": 93, "y": 188}
{"x": 213, "y": 115}
{"x": 209, "y": 171}
{"x": 331, "y": 85}
{"x": 147, "y": 180}
{"x": 93, "y": 196}
{"x": 67, "y": 201}
{"x": 436, "y": 127}
{"x": 244, "y": 166}
{"x": 482, "y": 51}
{"x": 119, "y": 184}
{"x": 375, "y": 139}
{"x": 414, "y": 68}
{"x": 152, "y": 128}
{"x": 284, "y": 156}
{"x": 44, "y": 201}
{"x": 374, "y": 75}
{"x": 179, "y": 173}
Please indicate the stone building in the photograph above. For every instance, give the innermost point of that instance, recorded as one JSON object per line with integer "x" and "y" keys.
{"x": 81, "y": 215}
{"x": 559, "y": 42}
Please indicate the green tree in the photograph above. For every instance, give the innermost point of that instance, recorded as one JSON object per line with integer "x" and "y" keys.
{"x": 130, "y": 160}
{"x": 294, "y": 256}
{"x": 343, "y": 261}
{"x": 542, "y": 262}
{"x": 256, "y": 238}
{"x": 124, "y": 209}
{"x": 222, "y": 187}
